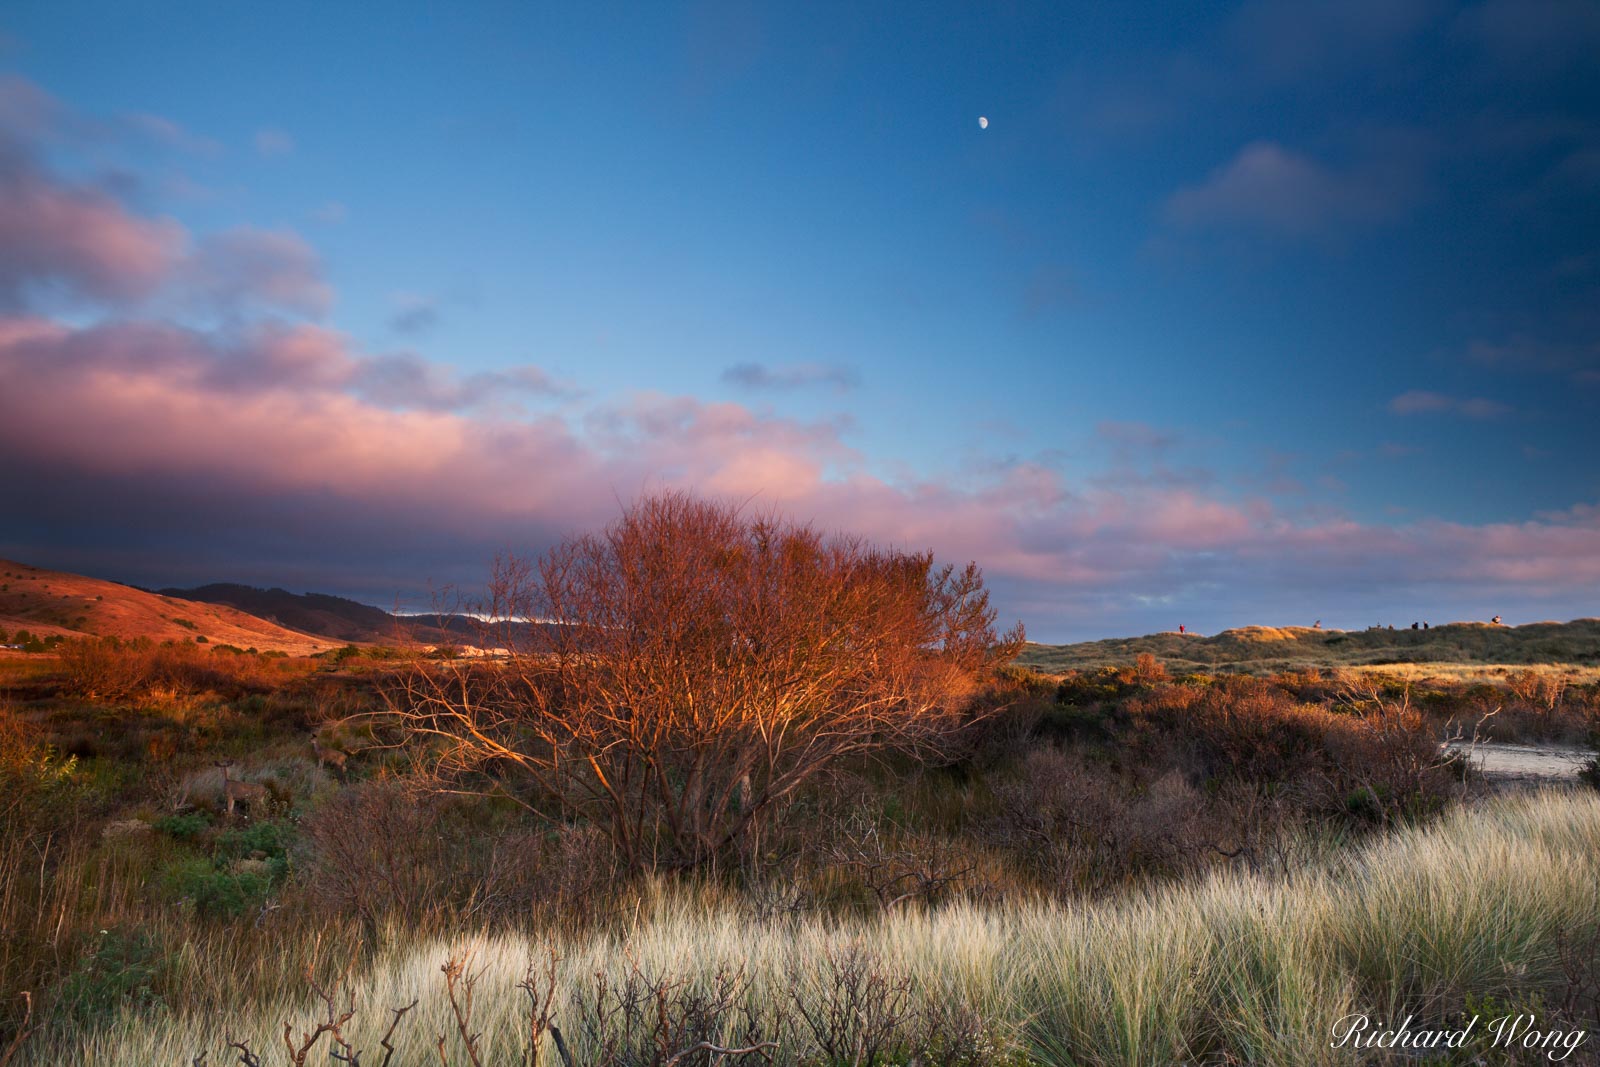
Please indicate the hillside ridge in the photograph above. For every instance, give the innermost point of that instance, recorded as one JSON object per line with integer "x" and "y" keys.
{"x": 45, "y": 603}
{"x": 1270, "y": 648}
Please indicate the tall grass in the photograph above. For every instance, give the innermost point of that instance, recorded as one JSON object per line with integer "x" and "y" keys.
{"x": 1255, "y": 969}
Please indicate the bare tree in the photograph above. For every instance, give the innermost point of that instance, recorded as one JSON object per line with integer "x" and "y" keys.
{"x": 677, "y": 677}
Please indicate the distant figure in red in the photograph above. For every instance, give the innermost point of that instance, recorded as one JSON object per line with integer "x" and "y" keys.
{"x": 1180, "y": 628}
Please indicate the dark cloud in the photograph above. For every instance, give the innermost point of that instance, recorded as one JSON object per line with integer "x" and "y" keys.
{"x": 193, "y": 456}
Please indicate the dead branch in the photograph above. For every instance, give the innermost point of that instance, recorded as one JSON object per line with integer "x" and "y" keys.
{"x": 246, "y": 1057}
{"x": 541, "y": 994}
{"x": 24, "y": 1031}
{"x": 388, "y": 1049}
{"x": 457, "y": 973}
{"x": 706, "y": 1046}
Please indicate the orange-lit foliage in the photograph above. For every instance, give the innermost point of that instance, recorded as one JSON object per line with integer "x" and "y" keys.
{"x": 109, "y": 670}
{"x": 700, "y": 666}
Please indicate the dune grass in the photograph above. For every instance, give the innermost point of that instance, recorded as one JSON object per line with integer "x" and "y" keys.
{"x": 1428, "y": 920}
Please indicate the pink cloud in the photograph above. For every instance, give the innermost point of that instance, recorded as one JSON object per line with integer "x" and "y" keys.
{"x": 75, "y": 238}
{"x": 281, "y": 414}
{"x": 63, "y": 237}
{"x": 244, "y": 266}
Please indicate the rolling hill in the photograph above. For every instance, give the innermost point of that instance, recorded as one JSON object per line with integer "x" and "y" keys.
{"x": 52, "y": 602}
{"x": 345, "y": 620}
{"x": 1267, "y": 648}
{"x": 314, "y": 613}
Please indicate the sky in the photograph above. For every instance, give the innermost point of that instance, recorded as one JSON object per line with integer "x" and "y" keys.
{"x": 1251, "y": 314}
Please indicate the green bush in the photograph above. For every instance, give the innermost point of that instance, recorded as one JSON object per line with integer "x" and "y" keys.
{"x": 118, "y": 973}
{"x": 217, "y": 893}
{"x": 270, "y": 838}
{"x": 244, "y": 867}
{"x": 185, "y": 827}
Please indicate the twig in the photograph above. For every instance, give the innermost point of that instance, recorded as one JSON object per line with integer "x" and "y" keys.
{"x": 456, "y": 970}
{"x": 706, "y": 1046}
{"x": 539, "y": 1009}
{"x": 388, "y": 1049}
{"x": 23, "y": 1032}
{"x": 246, "y": 1057}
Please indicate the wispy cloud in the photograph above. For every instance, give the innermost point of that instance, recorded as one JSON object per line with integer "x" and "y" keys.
{"x": 271, "y": 142}
{"x": 414, "y": 314}
{"x": 245, "y": 265}
{"x": 1424, "y": 402}
{"x": 792, "y": 376}
{"x": 1274, "y": 189}
{"x": 1049, "y": 288}
{"x": 332, "y": 212}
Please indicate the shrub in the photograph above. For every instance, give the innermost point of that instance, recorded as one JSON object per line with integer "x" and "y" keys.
{"x": 117, "y": 973}
{"x": 707, "y": 665}
{"x": 219, "y": 892}
{"x": 185, "y": 827}
{"x": 106, "y": 669}
{"x": 1084, "y": 827}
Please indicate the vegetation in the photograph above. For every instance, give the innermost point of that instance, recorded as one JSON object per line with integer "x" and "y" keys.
{"x": 699, "y": 668}
{"x": 1494, "y": 904}
{"x": 1266, "y": 649}
{"x": 746, "y": 791}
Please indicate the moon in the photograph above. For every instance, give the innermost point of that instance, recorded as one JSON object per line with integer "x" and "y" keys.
{"x": 983, "y": 122}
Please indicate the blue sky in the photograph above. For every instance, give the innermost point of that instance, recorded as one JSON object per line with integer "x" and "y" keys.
{"x": 1231, "y": 315}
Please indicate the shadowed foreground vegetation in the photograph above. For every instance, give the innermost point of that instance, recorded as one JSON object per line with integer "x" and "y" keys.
{"x": 1044, "y": 890}
{"x": 1491, "y": 909}
{"x": 760, "y": 792}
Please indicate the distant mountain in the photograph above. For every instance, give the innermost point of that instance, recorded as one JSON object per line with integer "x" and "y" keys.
{"x": 1270, "y": 648}
{"x": 316, "y": 613}
{"x": 347, "y": 620}
{"x": 45, "y": 603}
